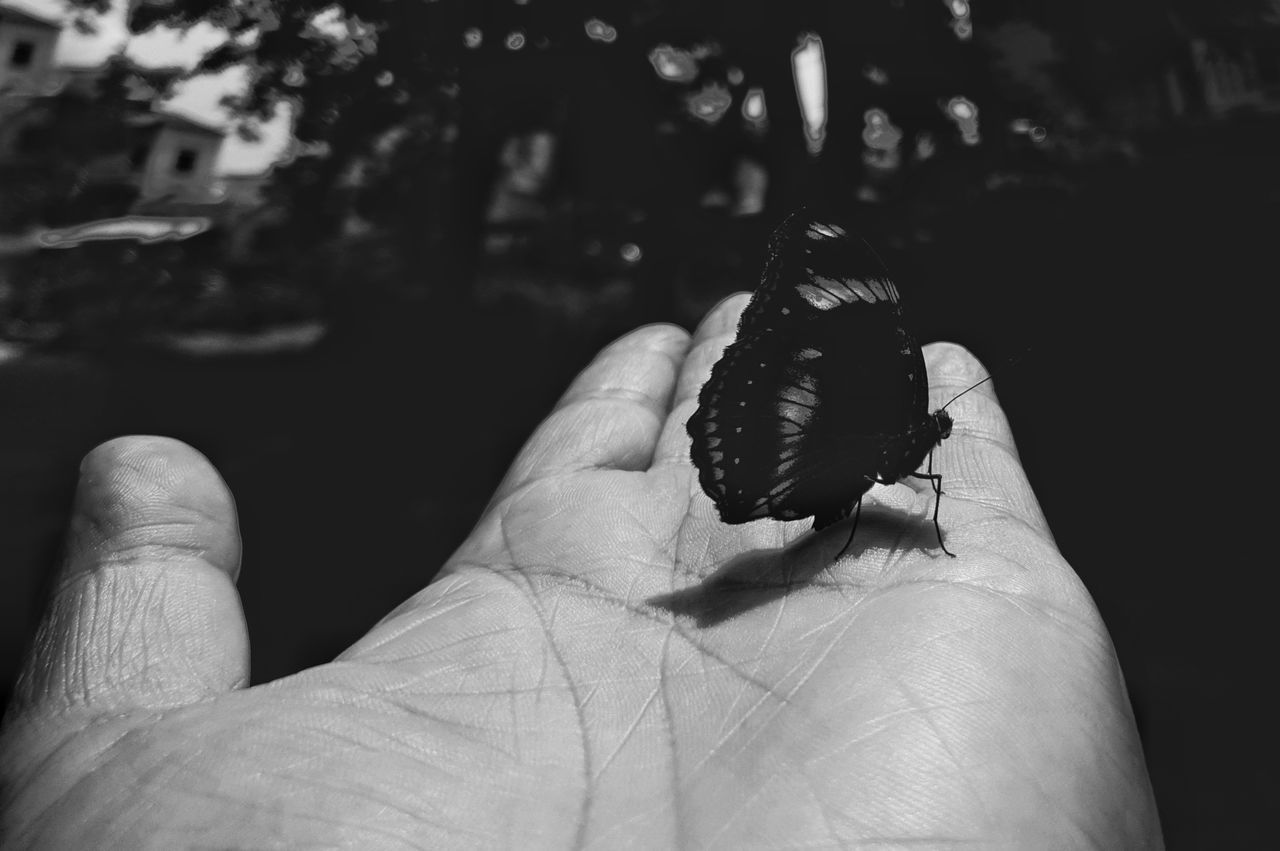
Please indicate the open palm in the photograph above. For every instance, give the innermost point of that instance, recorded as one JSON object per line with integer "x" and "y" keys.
{"x": 602, "y": 663}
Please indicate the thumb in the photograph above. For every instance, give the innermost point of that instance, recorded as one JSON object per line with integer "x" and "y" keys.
{"x": 144, "y": 613}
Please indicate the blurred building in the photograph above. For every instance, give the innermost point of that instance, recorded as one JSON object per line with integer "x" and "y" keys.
{"x": 173, "y": 158}
{"x": 27, "y": 43}
{"x": 1209, "y": 75}
{"x": 169, "y": 167}
{"x": 1237, "y": 68}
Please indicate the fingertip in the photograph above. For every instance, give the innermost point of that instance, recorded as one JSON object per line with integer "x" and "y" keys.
{"x": 981, "y": 456}
{"x": 953, "y": 365}
{"x": 723, "y": 318}
{"x": 165, "y": 460}
{"x": 129, "y": 484}
{"x": 713, "y": 334}
{"x": 145, "y": 613}
{"x": 658, "y": 337}
{"x": 133, "y": 447}
{"x": 961, "y": 383}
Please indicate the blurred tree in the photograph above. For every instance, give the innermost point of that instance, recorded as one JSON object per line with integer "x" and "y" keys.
{"x": 111, "y": 294}
{"x": 403, "y": 110}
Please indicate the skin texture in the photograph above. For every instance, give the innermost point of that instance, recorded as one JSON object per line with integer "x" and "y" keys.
{"x": 601, "y": 664}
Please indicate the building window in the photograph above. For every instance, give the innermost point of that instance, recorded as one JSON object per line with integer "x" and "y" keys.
{"x": 24, "y": 53}
{"x": 185, "y": 162}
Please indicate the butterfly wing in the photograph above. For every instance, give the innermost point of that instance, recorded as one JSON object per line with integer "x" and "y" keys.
{"x": 804, "y": 249}
{"x": 751, "y": 430}
{"x": 820, "y": 393}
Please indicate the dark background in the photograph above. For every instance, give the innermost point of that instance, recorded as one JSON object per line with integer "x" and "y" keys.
{"x": 1105, "y": 258}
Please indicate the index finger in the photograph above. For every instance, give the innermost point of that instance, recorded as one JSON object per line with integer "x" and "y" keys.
{"x": 611, "y": 414}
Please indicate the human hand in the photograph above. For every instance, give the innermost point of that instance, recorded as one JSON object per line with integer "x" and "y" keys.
{"x": 601, "y": 663}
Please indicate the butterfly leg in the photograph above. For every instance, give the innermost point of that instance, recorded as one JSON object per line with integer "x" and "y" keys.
{"x": 857, "y": 512}
{"x": 935, "y": 479}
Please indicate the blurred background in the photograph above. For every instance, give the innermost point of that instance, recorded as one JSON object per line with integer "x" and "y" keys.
{"x": 353, "y": 252}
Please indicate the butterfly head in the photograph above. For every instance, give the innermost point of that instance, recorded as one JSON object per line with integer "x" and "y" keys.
{"x": 942, "y": 422}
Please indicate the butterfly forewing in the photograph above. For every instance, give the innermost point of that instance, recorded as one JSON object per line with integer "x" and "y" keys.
{"x": 813, "y": 267}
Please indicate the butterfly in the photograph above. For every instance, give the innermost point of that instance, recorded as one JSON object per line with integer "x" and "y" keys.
{"x": 822, "y": 394}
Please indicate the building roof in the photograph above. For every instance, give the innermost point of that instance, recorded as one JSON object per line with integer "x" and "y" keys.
{"x": 12, "y": 14}
{"x": 187, "y": 122}
{"x": 179, "y": 122}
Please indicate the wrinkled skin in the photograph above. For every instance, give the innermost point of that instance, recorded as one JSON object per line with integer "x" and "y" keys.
{"x": 602, "y": 663}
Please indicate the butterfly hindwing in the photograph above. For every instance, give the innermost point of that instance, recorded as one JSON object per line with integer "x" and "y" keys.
{"x": 792, "y": 431}
{"x": 752, "y": 407}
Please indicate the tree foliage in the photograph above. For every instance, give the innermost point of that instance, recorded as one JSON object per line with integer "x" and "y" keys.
{"x": 402, "y": 109}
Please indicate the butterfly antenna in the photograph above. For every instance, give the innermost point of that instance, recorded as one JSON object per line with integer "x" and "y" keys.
{"x": 1012, "y": 362}
{"x": 966, "y": 390}
{"x": 857, "y": 512}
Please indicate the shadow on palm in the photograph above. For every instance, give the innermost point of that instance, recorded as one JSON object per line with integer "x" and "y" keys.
{"x": 758, "y": 577}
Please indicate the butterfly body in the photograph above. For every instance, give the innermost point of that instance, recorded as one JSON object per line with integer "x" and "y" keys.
{"x": 822, "y": 394}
